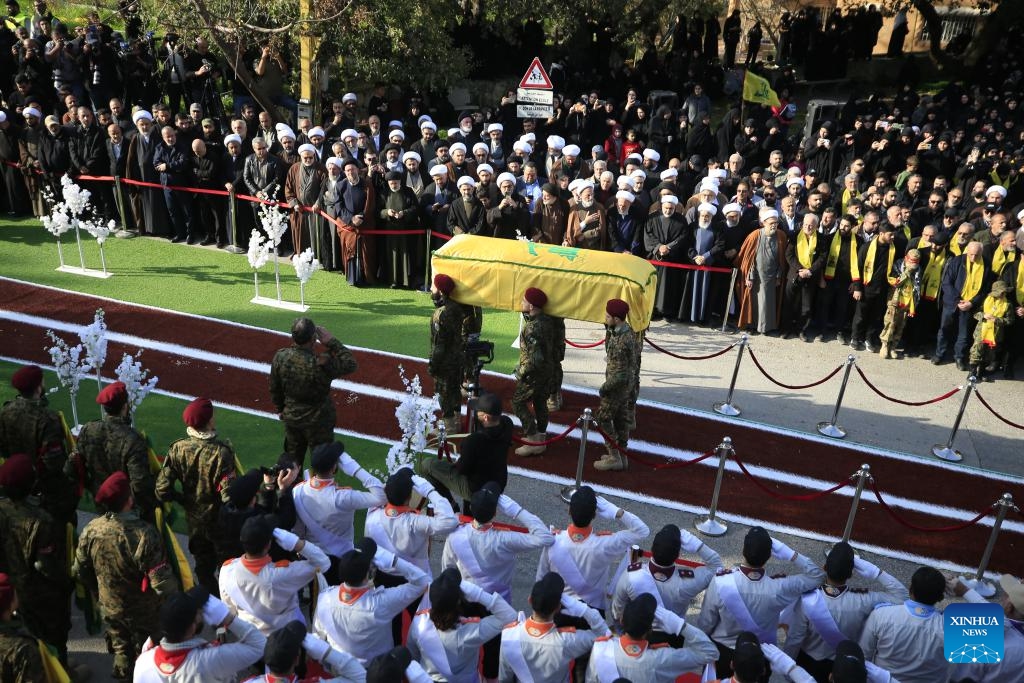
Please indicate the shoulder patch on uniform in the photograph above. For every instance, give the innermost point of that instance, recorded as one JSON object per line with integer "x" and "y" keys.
{"x": 686, "y": 573}
{"x": 635, "y": 566}
{"x": 780, "y": 575}
{"x": 657, "y": 646}
{"x": 471, "y": 620}
{"x": 227, "y": 562}
{"x": 510, "y": 625}
{"x": 282, "y": 563}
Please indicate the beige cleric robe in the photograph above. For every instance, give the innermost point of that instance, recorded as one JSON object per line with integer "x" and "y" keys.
{"x": 746, "y": 260}
{"x": 301, "y": 220}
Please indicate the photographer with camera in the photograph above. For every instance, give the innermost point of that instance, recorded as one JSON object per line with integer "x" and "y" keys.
{"x": 203, "y": 73}
{"x": 175, "y": 74}
{"x": 64, "y": 54}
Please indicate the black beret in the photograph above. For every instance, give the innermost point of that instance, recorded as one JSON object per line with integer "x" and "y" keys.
{"x": 283, "y": 647}
{"x": 638, "y": 616}
{"x": 398, "y": 487}
{"x": 546, "y": 595}
{"x": 354, "y": 565}
{"x": 484, "y": 502}
{"x": 325, "y": 456}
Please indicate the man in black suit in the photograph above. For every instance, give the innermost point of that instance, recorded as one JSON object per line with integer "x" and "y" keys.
{"x": 117, "y": 155}
{"x": 89, "y": 157}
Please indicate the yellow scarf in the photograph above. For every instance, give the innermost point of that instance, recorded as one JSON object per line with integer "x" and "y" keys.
{"x": 833, "y": 258}
{"x": 931, "y": 278}
{"x": 972, "y": 283}
{"x": 997, "y": 309}
{"x": 954, "y": 247}
{"x": 1020, "y": 284}
{"x": 904, "y": 293}
{"x": 805, "y": 248}
{"x": 1000, "y": 258}
{"x": 869, "y": 261}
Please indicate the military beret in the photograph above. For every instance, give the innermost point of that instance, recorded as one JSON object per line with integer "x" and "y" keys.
{"x": 325, "y": 456}
{"x": 546, "y": 594}
{"x": 27, "y": 378}
{"x": 757, "y": 546}
{"x": 638, "y": 616}
{"x": 17, "y": 472}
{"x": 666, "y": 545}
{"x": 446, "y": 590}
{"x": 444, "y": 283}
{"x": 354, "y": 565}
{"x": 839, "y": 562}
{"x": 484, "y": 502}
{"x": 398, "y": 487}
{"x": 617, "y": 308}
{"x": 849, "y": 666}
{"x": 113, "y": 397}
{"x": 536, "y": 296}
{"x": 283, "y": 647}
{"x": 114, "y": 491}
{"x": 748, "y": 660}
{"x": 198, "y": 413}
{"x": 583, "y": 506}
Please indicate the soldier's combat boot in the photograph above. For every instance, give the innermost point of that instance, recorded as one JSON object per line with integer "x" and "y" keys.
{"x": 885, "y": 352}
{"x": 611, "y": 461}
{"x": 533, "y": 446}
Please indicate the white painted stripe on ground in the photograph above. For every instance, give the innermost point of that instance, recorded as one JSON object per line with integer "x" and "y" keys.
{"x": 623, "y": 493}
{"x": 681, "y": 410}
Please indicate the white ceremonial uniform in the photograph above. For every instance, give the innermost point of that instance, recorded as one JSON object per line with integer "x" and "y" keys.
{"x": 358, "y": 620}
{"x": 829, "y": 615}
{"x": 264, "y": 592}
{"x": 454, "y": 655}
{"x": 486, "y": 556}
{"x": 1011, "y": 668}
{"x": 762, "y": 596}
{"x": 906, "y": 640}
{"x": 641, "y": 662}
{"x": 324, "y": 511}
{"x": 198, "y": 660}
{"x": 406, "y": 533}
{"x": 586, "y": 559}
{"x": 875, "y": 675}
{"x": 539, "y": 652}
{"x": 675, "y": 586}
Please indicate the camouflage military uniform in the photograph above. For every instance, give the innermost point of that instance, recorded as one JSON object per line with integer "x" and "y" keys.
{"x": 620, "y": 383}
{"x": 300, "y": 387}
{"x": 20, "y": 661}
{"x": 33, "y": 552}
{"x": 447, "y": 356}
{"x": 537, "y": 361}
{"x": 555, "y": 397}
{"x": 112, "y": 445}
{"x": 28, "y": 426}
{"x": 121, "y": 559}
{"x": 205, "y": 466}
{"x": 472, "y": 323}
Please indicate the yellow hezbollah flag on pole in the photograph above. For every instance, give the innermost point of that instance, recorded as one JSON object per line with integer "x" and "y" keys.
{"x": 756, "y": 89}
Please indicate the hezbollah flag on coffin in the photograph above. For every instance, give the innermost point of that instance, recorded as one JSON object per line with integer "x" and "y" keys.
{"x": 757, "y": 89}
{"x": 494, "y": 273}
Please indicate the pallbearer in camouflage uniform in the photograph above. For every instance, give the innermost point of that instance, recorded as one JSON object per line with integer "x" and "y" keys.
{"x": 121, "y": 559}
{"x": 447, "y": 352}
{"x": 19, "y": 650}
{"x": 555, "y": 398}
{"x": 620, "y": 377}
{"x": 204, "y": 465}
{"x": 33, "y": 553}
{"x": 112, "y": 445}
{"x": 536, "y": 371}
{"x": 28, "y": 426}
{"x": 300, "y": 387}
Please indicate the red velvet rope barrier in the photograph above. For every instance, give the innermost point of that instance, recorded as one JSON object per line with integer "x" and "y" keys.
{"x": 549, "y": 441}
{"x": 688, "y": 266}
{"x": 783, "y": 496}
{"x": 716, "y": 354}
{"x": 577, "y": 345}
{"x": 937, "y": 529}
{"x": 993, "y": 411}
{"x": 675, "y": 464}
{"x": 908, "y": 403}
{"x": 793, "y": 387}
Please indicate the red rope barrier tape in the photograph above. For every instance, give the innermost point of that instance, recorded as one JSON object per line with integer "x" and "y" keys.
{"x": 440, "y": 235}
{"x": 549, "y": 441}
{"x": 577, "y": 345}
{"x": 993, "y": 411}
{"x": 793, "y": 387}
{"x": 783, "y": 496}
{"x": 687, "y": 266}
{"x": 671, "y": 465}
{"x": 716, "y": 354}
{"x": 911, "y": 403}
{"x": 937, "y": 529}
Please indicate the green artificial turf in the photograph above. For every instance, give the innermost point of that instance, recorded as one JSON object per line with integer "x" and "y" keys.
{"x": 214, "y": 283}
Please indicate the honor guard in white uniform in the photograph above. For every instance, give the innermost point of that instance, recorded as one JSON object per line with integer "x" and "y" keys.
{"x": 324, "y": 511}
{"x": 849, "y": 666}
{"x": 355, "y": 617}
{"x": 264, "y": 592}
{"x": 674, "y": 587}
{"x": 633, "y": 657}
{"x": 444, "y": 640}
{"x": 534, "y": 650}
{"x": 906, "y": 639}
{"x": 392, "y": 666}
{"x": 748, "y": 599}
{"x": 281, "y": 656}
{"x": 183, "y": 657}
{"x": 834, "y": 612}
{"x": 586, "y": 559}
{"x": 1010, "y": 669}
{"x": 485, "y": 555}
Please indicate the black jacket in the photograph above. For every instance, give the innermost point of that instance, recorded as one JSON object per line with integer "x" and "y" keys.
{"x": 485, "y": 455}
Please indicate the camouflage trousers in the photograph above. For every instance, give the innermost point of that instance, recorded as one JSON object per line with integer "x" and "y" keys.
{"x": 893, "y": 323}
{"x": 448, "y": 389}
{"x": 615, "y": 416}
{"x": 204, "y": 551}
{"x": 299, "y": 438}
{"x": 126, "y": 634}
{"x": 532, "y": 392}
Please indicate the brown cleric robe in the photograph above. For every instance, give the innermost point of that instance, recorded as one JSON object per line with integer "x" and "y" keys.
{"x": 356, "y": 249}
{"x": 305, "y": 189}
{"x": 746, "y": 261}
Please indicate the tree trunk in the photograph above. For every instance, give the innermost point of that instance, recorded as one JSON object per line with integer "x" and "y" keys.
{"x": 934, "y": 23}
{"x": 992, "y": 28}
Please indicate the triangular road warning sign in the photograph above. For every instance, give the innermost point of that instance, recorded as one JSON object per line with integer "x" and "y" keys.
{"x": 536, "y": 77}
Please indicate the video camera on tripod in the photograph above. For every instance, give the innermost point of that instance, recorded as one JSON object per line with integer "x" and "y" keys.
{"x": 479, "y": 350}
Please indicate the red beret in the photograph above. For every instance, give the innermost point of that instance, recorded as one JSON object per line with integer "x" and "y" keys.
{"x": 6, "y": 592}
{"x": 535, "y": 296}
{"x": 114, "y": 396}
{"x": 444, "y": 283}
{"x": 617, "y": 308}
{"x": 27, "y": 378}
{"x": 198, "y": 413}
{"x": 17, "y": 472}
{"x": 114, "y": 491}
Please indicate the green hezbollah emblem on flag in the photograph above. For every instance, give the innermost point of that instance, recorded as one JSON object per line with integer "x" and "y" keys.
{"x": 756, "y": 89}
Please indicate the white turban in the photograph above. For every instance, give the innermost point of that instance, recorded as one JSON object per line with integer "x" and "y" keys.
{"x": 623, "y": 181}
{"x": 652, "y": 154}
{"x": 528, "y": 137}
{"x": 411, "y": 155}
{"x": 708, "y": 184}
{"x": 638, "y": 173}
{"x": 428, "y": 124}
{"x": 586, "y": 185}
{"x": 998, "y": 189}
{"x": 523, "y": 147}
{"x": 439, "y": 169}
{"x": 495, "y": 127}
{"x": 627, "y": 196}
{"x": 668, "y": 174}
{"x": 485, "y": 167}
{"x": 556, "y": 142}
{"x": 571, "y": 150}
{"x": 140, "y": 114}
{"x": 634, "y": 157}
{"x": 281, "y": 126}
{"x": 479, "y": 146}
{"x": 575, "y": 184}
{"x": 397, "y": 132}
{"x": 452, "y": 132}
{"x": 334, "y": 161}
{"x": 457, "y": 146}
{"x": 765, "y": 214}
{"x": 732, "y": 208}
{"x": 3, "y": 117}
{"x": 394, "y": 123}
{"x": 285, "y": 132}
{"x": 425, "y": 117}
{"x": 718, "y": 173}
{"x": 348, "y": 133}
{"x": 307, "y": 148}
{"x": 316, "y": 131}
{"x": 506, "y": 177}
{"x": 707, "y": 207}
{"x": 466, "y": 180}
{"x": 349, "y": 97}
{"x": 670, "y": 199}
{"x": 234, "y": 137}
{"x": 795, "y": 181}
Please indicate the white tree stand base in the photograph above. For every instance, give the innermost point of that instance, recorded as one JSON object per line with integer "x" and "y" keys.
{"x": 274, "y": 303}
{"x": 88, "y": 272}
